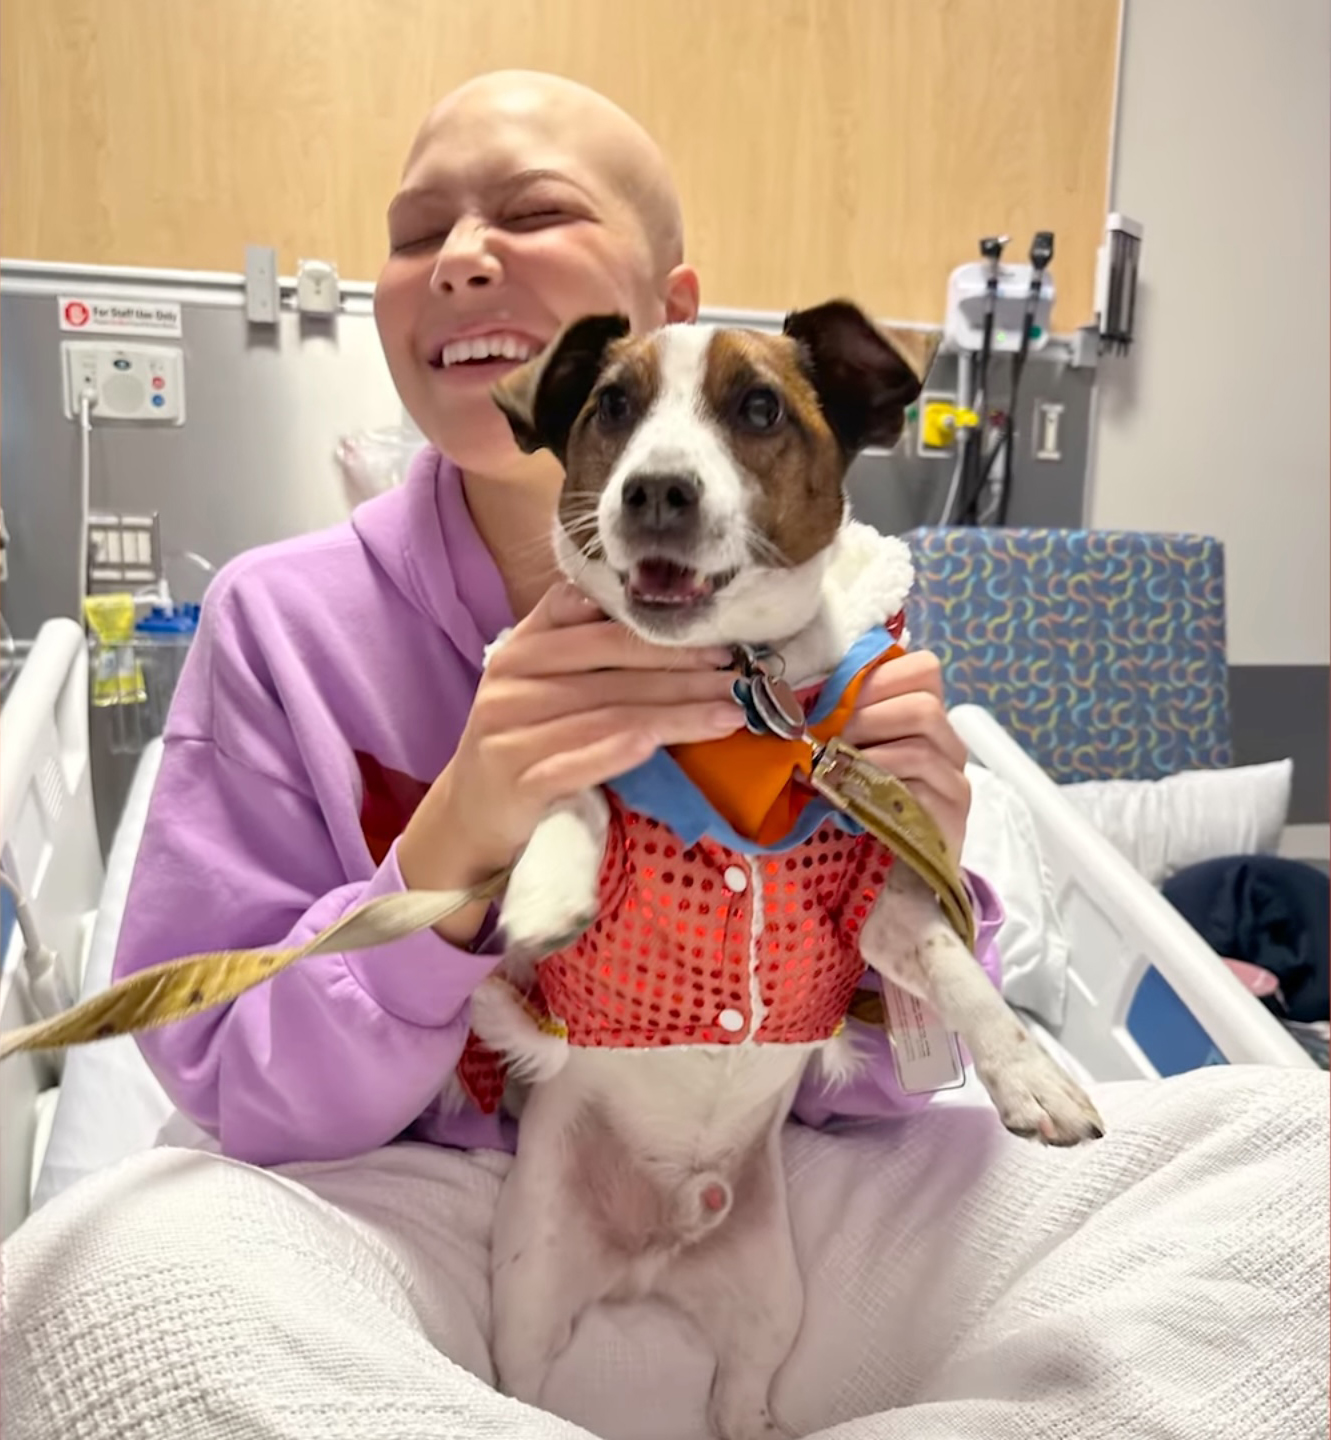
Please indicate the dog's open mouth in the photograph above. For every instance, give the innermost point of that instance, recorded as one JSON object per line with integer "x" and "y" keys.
{"x": 667, "y": 585}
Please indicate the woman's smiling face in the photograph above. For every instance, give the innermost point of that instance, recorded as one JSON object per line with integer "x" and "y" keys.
{"x": 525, "y": 204}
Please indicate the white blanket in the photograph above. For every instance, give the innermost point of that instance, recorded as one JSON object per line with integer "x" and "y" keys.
{"x": 1170, "y": 1281}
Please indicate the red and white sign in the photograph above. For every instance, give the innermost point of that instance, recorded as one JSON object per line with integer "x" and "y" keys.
{"x": 119, "y": 317}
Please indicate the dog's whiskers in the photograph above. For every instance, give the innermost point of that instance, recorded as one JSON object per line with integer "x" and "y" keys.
{"x": 542, "y": 550}
{"x": 763, "y": 549}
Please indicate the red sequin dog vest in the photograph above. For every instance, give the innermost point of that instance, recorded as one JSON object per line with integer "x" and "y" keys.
{"x": 701, "y": 945}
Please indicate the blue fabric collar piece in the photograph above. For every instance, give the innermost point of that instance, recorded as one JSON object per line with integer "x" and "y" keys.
{"x": 662, "y": 791}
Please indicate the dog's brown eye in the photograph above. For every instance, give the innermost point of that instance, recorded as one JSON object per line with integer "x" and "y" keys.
{"x": 613, "y": 406}
{"x": 760, "y": 409}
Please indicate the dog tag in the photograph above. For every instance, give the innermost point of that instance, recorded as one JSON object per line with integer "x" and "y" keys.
{"x": 778, "y": 706}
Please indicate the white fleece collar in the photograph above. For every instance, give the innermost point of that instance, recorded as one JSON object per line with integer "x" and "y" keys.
{"x": 868, "y": 577}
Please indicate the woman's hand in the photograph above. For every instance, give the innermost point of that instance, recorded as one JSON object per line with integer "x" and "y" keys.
{"x": 900, "y": 724}
{"x": 570, "y": 701}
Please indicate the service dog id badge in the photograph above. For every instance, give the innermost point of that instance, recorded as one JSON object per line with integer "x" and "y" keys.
{"x": 925, "y": 1054}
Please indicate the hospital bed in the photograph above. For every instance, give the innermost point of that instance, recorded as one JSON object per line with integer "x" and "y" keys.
{"x": 49, "y": 849}
{"x": 1132, "y": 990}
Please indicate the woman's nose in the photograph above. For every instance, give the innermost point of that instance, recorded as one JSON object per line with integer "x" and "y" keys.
{"x": 465, "y": 260}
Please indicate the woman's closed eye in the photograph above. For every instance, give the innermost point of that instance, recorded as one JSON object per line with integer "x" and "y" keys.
{"x": 539, "y": 217}
{"x": 408, "y": 241}
{"x": 415, "y": 224}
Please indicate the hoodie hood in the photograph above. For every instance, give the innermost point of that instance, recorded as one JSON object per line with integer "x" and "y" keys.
{"x": 423, "y": 537}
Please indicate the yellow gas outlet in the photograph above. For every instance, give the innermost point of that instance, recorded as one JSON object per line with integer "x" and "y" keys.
{"x": 939, "y": 422}
{"x": 940, "y": 425}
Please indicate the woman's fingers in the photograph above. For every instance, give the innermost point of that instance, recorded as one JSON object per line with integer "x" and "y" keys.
{"x": 881, "y": 720}
{"x": 567, "y": 634}
{"x": 559, "y": 757}
{"x": 912, "y": 760}
{"x": 558, "y": 776}
{"x": 939, "y": 785}
{"x": 508, "y": 703}
{"x": 918, "y": 670}
{"x": 596, "y": 645}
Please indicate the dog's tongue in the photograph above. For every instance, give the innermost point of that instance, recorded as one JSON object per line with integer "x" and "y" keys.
{"x": 665, "y": 582}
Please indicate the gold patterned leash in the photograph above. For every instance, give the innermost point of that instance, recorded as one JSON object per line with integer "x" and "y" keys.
{"x": 178, "y": 989}
{"x": 888, "y": 811}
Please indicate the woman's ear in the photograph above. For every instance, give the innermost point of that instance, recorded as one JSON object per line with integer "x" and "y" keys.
{"x": 682, "y": 296}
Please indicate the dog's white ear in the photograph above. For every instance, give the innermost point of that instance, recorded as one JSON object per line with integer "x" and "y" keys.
{"x": 542, "y": 399}
{"x": 863, "y": 379}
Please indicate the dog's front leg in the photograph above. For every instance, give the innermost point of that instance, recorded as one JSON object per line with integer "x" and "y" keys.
{"x": 907, "y": 940}
{"x": 554, "y": 890}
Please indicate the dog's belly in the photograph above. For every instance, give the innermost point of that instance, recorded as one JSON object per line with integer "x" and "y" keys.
{"x": 661, "y": 1147}
{"x": 685, "y": 1105}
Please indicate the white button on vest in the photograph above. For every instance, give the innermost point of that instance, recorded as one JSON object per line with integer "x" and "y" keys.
{"x": 730, "y": 1020}
{"x": 736, "y": 880}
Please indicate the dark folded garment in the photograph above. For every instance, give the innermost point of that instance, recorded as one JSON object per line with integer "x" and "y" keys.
{"x": 1270, "y": 912}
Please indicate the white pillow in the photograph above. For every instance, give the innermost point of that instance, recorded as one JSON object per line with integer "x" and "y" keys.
{"x": 1163, "y": 826}
{"x": 1001, "y": 846}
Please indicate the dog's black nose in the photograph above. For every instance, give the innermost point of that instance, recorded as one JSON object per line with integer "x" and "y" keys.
{"x": 661, "y": 504}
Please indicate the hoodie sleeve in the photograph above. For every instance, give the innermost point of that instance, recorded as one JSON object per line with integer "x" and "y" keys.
{"x": 873, "y": 1093}
{"x": 338, "y": 1054}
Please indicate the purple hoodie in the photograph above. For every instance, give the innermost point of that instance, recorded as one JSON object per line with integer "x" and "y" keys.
{"x": 328, "y": 686}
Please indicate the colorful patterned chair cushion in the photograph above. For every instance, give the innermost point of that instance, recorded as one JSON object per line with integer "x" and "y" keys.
{"x": 1102, "y": 652}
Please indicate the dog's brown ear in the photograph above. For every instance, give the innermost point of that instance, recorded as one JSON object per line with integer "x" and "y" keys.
{"x": 864, "y": 381}
{"x": 543, "y": 398}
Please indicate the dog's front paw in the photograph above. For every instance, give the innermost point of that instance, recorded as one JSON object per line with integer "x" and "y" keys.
{"x": 554, "y": 892}
{"x": 1037, "y": 1099}
{"x": 542, "y": 912}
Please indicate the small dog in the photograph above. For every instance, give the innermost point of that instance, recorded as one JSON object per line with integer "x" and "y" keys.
{"x": 687, "y": 984}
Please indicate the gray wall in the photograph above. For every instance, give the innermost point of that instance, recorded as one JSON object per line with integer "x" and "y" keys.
{"x": 1218, "y": 420}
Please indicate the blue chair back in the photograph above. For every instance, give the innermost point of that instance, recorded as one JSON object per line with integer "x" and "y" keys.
{"x": 1102, "y": 652}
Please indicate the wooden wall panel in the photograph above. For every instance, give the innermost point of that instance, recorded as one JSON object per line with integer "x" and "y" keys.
{"x": 852, "y": 146}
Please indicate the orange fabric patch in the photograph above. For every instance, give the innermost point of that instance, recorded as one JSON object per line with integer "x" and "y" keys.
{"x": 750, "y": 779}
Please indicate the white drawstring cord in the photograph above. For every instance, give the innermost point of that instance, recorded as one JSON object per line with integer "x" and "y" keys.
{"x": 85, "y": 490}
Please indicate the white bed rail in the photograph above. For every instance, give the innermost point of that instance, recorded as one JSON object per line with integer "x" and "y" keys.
{"x": 1119, "y": 927}
{"x": 49, "y": 848}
